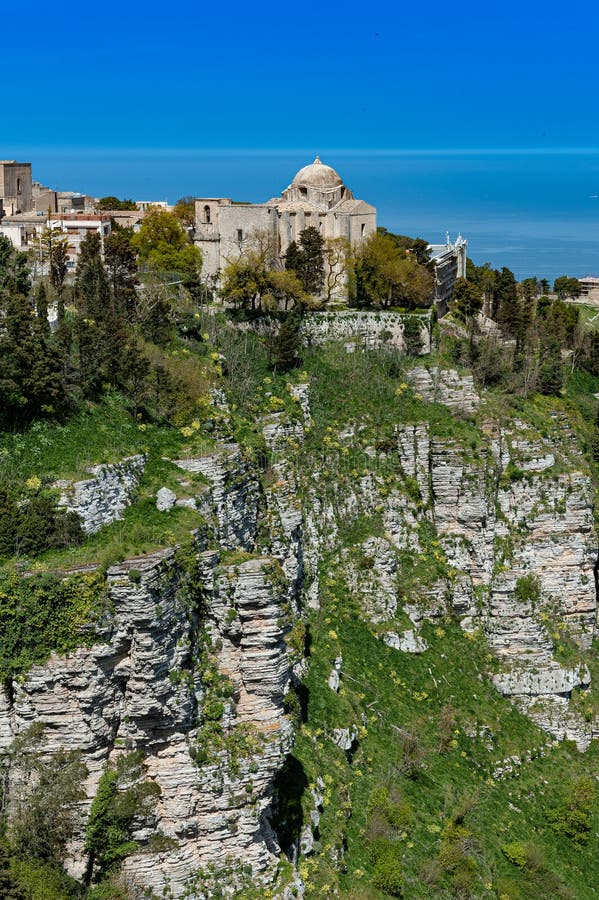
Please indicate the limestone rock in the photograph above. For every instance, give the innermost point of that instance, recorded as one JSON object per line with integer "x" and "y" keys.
{"x": 138, "y": 688}
{"x": 445, "y": 386}
{"x": 165, "y": 499}
{"x": 232, "y": 502}
{"x": 102, "y": 499}
{"x": 335, "y": 676}
{"x": 344, "y": 737}
{"x": 408, "y": 642}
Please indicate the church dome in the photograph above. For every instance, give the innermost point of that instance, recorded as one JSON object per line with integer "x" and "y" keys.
{"x": 317, "y": 175}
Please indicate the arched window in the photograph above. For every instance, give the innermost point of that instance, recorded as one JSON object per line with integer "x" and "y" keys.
{"x": 18, "y": 185}
{"x": 207, "y": 214}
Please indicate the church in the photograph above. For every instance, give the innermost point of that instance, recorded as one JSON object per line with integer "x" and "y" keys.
{"x": 316, "y": 197}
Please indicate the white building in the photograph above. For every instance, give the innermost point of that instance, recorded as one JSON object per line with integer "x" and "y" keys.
{"x": 450, "y": 263}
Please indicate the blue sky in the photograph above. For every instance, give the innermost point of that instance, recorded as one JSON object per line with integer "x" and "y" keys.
{"x": 99, "y": 94}
{"x": 297, "y": 75}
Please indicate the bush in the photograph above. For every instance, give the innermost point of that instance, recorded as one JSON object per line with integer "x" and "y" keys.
{"x": 528, "y": 589}
{"x": 412, "y": 336}
{"x": 574, "y": 818}
{"x": 515, "y": 853}
{"x": 388, "y": 805}
{"x": 42, "y": 613}
{"x": 123, "y": 796}
{"x": 388, "y": 874}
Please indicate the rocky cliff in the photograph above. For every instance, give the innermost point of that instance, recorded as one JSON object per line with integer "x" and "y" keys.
{"x": 492, "y": 525}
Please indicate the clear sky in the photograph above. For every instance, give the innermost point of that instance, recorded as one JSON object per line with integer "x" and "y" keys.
{"x": 468, "y": 115}
{"x": 311, "y": 74}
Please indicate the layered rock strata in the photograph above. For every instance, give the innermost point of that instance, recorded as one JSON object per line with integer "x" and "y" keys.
{"x": 103, "y": 498}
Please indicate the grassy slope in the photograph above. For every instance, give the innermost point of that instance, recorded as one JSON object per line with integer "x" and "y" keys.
{"x": 391, "y": 690}
{"x": 385, "y": 691}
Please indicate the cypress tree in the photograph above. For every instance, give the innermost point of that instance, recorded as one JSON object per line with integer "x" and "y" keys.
{"x": 121, "y": 264}
{"x": 100, "y": 331}
{"x": 30, "y": 367}
{"x": 311, "y": 260}
{"x": 293, "y": 257}
{"x": 287, "y": 344}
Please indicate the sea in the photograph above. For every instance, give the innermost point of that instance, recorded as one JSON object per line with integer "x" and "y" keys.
{"x": 534, "y": 211}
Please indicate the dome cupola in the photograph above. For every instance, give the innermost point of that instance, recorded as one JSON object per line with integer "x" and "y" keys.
{"x": 317, "y": 175}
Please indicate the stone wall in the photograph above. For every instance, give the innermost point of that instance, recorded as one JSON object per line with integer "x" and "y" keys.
{"x": 364, "y": 328}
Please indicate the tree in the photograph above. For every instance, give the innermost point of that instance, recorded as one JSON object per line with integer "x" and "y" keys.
{"x": 41, "y": 309}
{"x": 14, "y": 274}
{"x": 282, "y": 289}
{"x": 99, "y": 329}
{"x": 307, "y": 259}
{"x": 287, "y": 344}
{"x": 551, "y": 372}
{"x": 30, "y": 366}
{"x": 52, "y": 247}
{"x": 112, "y": 202}
{"x": 185, "y": 211}
{"x": 386, "y": 276}
{"x": 121, "y": 265}
{"x": 529, "y": 288}
{"x": 336, "y": 253}
{"x": 10, "y": 889}
{"x": 45, "y": 803}
{"x": 245, "y": 281}
{"x": 567, "y": 287}
{"x": 293, "y": 257}
{"x": 123, "y": 795}
{"x": 417, "y": 247}
{"x": 467, "y": 299}
{"x": 162, "y": 244}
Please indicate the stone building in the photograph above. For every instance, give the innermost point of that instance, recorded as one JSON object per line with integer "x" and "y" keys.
{"x": 450, "y": 263}
{"x": 316, "y": 196}
{"x": 15, "y": 187}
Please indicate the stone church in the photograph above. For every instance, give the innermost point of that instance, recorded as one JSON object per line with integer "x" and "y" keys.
{"x": 316, "y": 196}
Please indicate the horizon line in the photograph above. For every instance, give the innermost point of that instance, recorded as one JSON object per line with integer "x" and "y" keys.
{"x": 287, "y": 151}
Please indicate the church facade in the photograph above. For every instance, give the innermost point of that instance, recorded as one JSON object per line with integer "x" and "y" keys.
{"x": 316, "y": 197}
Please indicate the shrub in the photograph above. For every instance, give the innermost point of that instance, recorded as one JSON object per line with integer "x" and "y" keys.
{"x": 42, "y": 613}
{"x": 573, "y": 819}
{"x": 515, "y": 853}
{"x": 123, "y": 796}
{"x": 35, "y": 524}
{"x": 528, "y": 589}
{"x": 386, "y": 807}
{"x": 412, "y": 337}
{"x": 388, "y": 875}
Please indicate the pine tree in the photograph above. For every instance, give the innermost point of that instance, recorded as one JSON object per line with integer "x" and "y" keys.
{"x": 121, "y": 264}
{"x": 14, "y": 273}
{"x": 287, "y": 344}
{"x": 30, "y": 367}
{"x": 311, "y": 260}
{"x": 100, "y": 331}
{"x": 293, "y": 257}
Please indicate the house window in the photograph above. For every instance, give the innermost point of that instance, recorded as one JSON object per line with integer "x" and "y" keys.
{"x": 207, "y": 214}
{"x": 362, "y": 229}
{"x": 18, "y": 185}
{"x": 239, "y": 235}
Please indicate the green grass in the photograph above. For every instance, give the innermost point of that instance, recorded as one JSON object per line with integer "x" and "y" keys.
{"x": 100, "y": 433}
{"x": 396, "y": 691}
